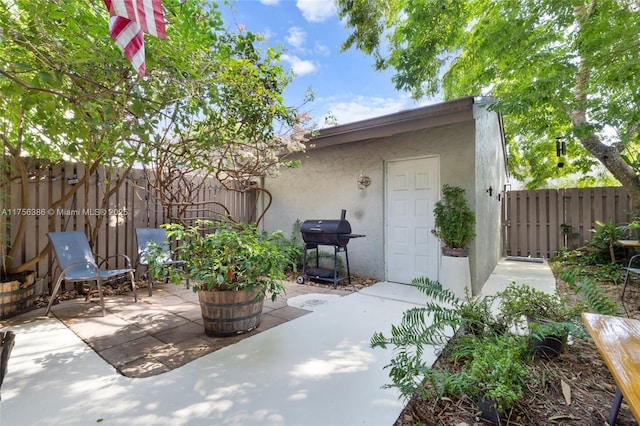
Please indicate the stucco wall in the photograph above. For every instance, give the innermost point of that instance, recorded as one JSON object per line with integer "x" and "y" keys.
{"x": 326, "y": 182}
{"x": 489, "y": 172}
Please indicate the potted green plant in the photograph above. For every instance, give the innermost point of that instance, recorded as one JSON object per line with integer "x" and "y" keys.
{"x": 454, "y": 222}
{"x": 495, "y": 374}
{"x": 548, "y": 318}
{"x": 232, "y": 267}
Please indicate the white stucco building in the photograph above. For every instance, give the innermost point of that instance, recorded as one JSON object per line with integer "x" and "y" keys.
{"x": 407, "y": 157}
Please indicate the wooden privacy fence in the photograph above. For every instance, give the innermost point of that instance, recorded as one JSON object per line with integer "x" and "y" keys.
{"x": 541, "y": 222}
{"x": 135, "y": 204}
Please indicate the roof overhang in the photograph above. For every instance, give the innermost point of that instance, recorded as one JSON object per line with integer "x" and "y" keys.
{"x": 445, "y": 113}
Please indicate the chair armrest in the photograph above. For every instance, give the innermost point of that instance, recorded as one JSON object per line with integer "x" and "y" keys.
{"x": 94, "y": 267}
{"x": 106, "y": 260}
{"x": 634, "y": 258}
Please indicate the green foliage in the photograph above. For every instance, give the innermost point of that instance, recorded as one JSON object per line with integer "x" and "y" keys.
{"x": 556, "y": 69}
{"x": 632, "y": 230}
{"x": 226, "y": 256}
{"x": 595, "y": 298}
{"x": 607, "y": 272}
{"x": 296, "y": 235}
{"x": 519, "y": 300}
{"x": 605, "y": 236}
{"x": 565, "y": 255}
{"x": 541, "y": 313}
{"x": 496, "y": 370}
{"x": 289, "y": 247}
{"x": 454, "y": 220}
{"x": 569, "y": 233}
{"x": 211, "y": 100}
{"x": 540, "y": 330}
{"x": 412, "y": 377}
{"x": 432, "y": 326}
{"x": 570, "y": 276}
{"x": 449, "y": 312}
{"x": 490, "y": 363}
{"x": 585, "y": 281}
{"x": 575, "y": 264}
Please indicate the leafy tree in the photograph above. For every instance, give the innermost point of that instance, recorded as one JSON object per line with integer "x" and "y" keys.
{"x": 212, "y": 99}
{"x": 558, "y": 69}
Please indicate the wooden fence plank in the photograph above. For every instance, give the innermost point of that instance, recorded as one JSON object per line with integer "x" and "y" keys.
{"x": 534, "y": 219}
{"x": 116, "y": 234}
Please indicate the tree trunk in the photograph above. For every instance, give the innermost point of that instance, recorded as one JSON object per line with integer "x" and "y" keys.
{"x": 610, "y": 157}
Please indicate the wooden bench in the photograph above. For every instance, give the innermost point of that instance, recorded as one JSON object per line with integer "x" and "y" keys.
{"x": 618, "y": 340}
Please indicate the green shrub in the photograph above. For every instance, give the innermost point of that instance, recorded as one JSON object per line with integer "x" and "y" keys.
{"x": 540, "y": 314}
{"x": 289, "y": 248}
{"x": 496, "y": 371}
{"x": 604, "y": 240}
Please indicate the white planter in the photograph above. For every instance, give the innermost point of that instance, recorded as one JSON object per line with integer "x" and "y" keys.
{"x": 455, "y": 274}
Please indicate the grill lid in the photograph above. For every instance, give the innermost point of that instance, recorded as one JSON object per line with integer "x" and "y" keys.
{"x": 327, "y": 231}
{"x": 330, "y": 226}
{"x": 331, "y": 232}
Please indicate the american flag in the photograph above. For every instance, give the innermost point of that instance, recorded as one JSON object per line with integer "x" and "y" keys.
{"x": 130, "y": 19}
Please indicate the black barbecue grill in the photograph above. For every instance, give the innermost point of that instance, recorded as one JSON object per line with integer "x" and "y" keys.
{"x": 331, "y": 232}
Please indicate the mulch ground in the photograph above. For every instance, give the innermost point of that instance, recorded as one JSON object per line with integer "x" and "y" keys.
{"x": 587, "y": 402}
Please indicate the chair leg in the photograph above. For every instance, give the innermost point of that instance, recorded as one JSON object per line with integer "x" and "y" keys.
{"x": 615, "y": 407}
{"x": 104, "y": 310}
{"x": 91, "y": 286}
{"x": 150, "y": 281}
{"x": 133, "y": 286}
{"x": 624, "y": 286}
{"x": 56, "y": 287}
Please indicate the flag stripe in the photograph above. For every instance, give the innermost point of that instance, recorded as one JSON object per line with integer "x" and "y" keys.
{"x": 155, "y": 21}
{"x": 147, "y": 13}
{"x": 130, "y": 19}
{"x": 141, "y": 17}
{"x": 130, "y": 39}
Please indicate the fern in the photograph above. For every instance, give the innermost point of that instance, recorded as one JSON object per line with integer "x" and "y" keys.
{"x": 593, "y": 295}
{"x": 570, "y": 276}
{"x": 430, "y": 326}
{"x": 434, "y": 290}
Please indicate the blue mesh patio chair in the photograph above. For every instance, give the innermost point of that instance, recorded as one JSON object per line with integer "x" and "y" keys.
{"x": 78, "y": 264}
{"x": 147, "y": 238}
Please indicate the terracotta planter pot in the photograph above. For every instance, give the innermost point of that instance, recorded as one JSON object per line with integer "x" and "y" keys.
{"x": 455, "y": 252}
{"x": 228, "y": 313}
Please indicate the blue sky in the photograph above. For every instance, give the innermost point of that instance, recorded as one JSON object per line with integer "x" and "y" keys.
{"x": 344, "y": 83}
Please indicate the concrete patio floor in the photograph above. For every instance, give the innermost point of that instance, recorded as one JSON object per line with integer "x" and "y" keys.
{"x": 165, "y": 331}
{"x": 308, "y": 364}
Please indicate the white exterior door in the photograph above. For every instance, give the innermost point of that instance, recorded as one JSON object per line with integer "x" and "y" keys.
{"x": 411, "y": 250}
